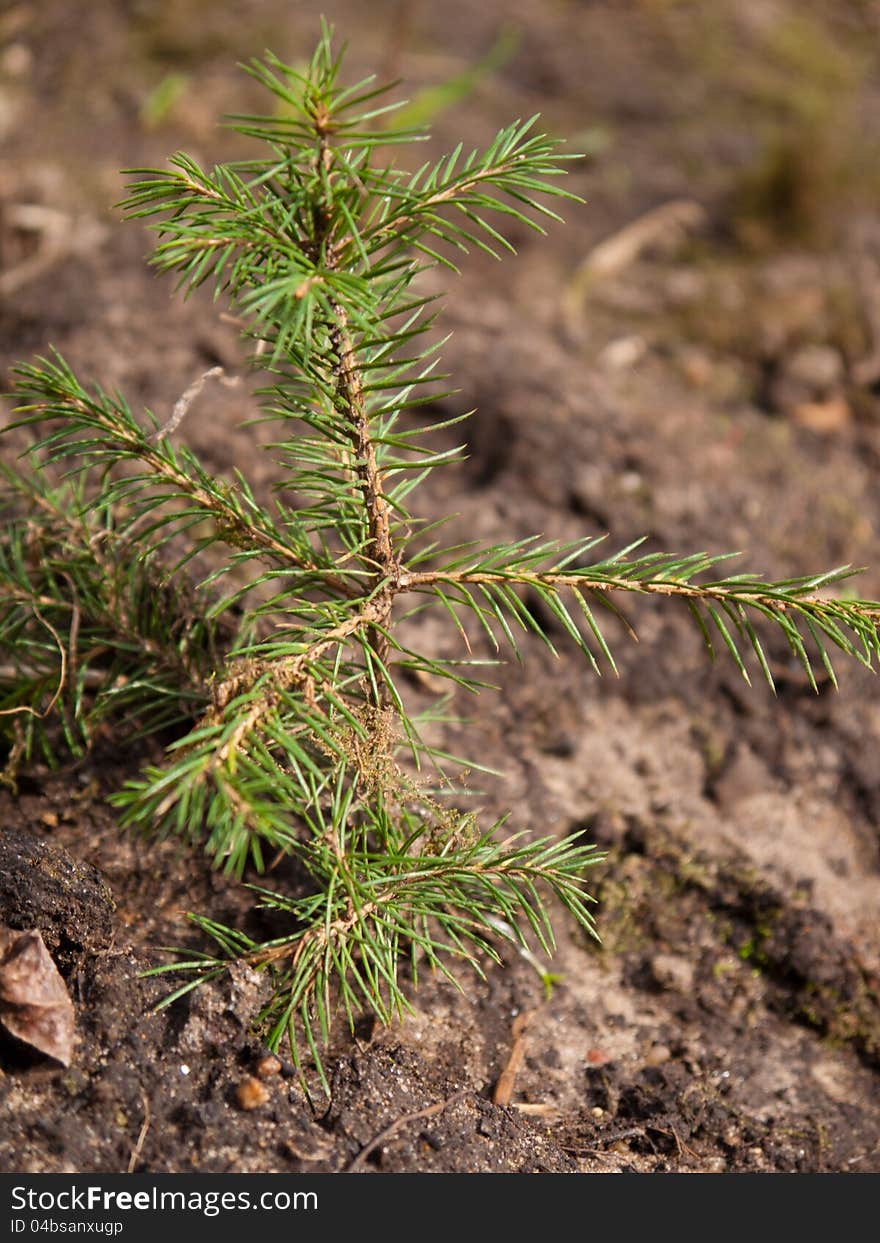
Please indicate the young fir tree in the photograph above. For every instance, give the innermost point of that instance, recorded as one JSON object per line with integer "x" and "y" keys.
{"x": 139, "y": 588}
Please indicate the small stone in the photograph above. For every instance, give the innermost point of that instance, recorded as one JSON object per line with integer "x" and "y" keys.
{"x": 487, "y": 1127}
{"x": 811, "y": 375}
{"x": 50, "y": 819}
{"x": 630, "y": 482}
{"x": 819, "y": 368}
{"x": 623, "y": 353}
{"x": 598, "y": 1112}
{"x": 657, "y": 1055}
{"x": 268, "y": 1066}
{"x": 16, "y": 60}
{"x": 251, "y": 1093}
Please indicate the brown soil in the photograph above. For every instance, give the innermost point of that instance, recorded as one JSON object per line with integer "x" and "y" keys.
{"x": 714, "y": 392}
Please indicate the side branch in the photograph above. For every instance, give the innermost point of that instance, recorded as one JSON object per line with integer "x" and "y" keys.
{"x": 721, "y": 608}
{"x": 243, "y": 531}
{"x": 265, "y": 680}
{"x": 717, "y": 592}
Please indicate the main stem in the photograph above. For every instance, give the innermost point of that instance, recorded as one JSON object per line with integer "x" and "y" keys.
{"x": 379, "y": 554}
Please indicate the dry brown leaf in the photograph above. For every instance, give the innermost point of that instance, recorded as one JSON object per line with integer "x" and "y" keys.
{"x": 34, "y": 1003}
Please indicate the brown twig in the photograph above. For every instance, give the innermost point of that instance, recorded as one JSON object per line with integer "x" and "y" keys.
{"x": 186, "y": 399}
{"x": 75, "y": 618}
{"x": 431, "y": 1112}
{"x": 139, "y": 1145}
{"x": 504, "y": 1086}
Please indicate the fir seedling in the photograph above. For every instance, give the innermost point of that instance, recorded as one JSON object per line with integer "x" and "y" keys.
{"x": 262, "y": 634}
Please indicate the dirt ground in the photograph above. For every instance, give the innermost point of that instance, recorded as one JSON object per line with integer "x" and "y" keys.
{"x": 710, "y": 380}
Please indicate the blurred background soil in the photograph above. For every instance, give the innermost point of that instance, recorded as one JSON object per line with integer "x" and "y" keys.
{"x": 694, "y": 356}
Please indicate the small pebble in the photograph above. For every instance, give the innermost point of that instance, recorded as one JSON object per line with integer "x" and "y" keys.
{"x": 16, "y": 60}
{"x": 623, "y": 353}
{"x": 598, "y": 1112}
{"x": 50, "y": 819}
{"x": 268, "y": 1066}
{"x": 816, "y": 367}
{"x": 657, "y": 1055}
{"x": 251, "y": 1093}
{"x": 630, "y": 482}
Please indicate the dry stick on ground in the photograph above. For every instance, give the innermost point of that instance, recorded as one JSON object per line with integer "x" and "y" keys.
{"x": 186, "y": 399}
{"x": 420, "y": 1114}
{"x": 142, "y": 1135}
{"x": 506, "y": 1080}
